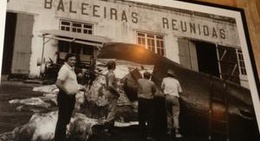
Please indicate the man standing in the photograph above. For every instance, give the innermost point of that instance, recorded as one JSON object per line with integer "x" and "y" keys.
{"x": 171, "y": 88}
{"x": 111, "y": 83}
{"x": 145, "y": 94}
{"x": 68, "y": 87}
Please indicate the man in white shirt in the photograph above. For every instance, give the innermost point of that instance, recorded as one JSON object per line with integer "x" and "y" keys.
{"x": 171, "y": 88}
{"x": 68, "y": 87}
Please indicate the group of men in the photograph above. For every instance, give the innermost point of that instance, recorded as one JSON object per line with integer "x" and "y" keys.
{"x": 68, "y": 87}
{"x": 146, "y": 110}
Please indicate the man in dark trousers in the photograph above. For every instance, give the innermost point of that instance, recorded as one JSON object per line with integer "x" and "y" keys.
{"x": 146, "y": 93}
{"x": 68, "y": 87}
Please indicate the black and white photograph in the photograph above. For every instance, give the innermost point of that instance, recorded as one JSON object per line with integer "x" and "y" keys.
{"x": 126, "y": 70}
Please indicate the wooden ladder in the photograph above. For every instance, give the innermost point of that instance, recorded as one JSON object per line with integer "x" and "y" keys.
{"x": 218, "y": 113}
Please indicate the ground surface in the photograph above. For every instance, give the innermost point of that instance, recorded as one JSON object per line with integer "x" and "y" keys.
{"x": 11, "y": 118}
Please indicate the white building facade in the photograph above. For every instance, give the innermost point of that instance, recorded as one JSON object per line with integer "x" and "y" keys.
{"x": 181, "y": 35}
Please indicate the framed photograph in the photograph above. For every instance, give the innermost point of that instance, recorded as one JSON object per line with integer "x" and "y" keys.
{"x": 144, "y": 70}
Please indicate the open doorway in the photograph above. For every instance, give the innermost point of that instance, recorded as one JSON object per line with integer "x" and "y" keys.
{"x": 10, "y": 25}
{"x": 17, "y": 45}
{"x": 207, "y": 58}
{"x": 221, "y": 61}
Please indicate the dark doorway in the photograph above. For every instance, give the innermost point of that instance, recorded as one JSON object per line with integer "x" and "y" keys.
{"x": 10, "y": 25}
{"x": 207, "y": 58}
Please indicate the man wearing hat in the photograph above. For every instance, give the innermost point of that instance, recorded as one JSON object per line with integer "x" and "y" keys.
{"x": 171, "y": 88}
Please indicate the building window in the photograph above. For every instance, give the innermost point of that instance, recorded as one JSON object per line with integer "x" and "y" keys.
{"x": 153, "y": 42}
{"x": 76, "y": 27}
{"x": 241, "y": 62}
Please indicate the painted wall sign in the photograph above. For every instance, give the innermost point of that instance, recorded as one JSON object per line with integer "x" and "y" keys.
{"x": 94, "y": 10}
{"x": 193, "y": 28}
{"x": 224, "y": 33}
{"x": 164, "y": 20}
